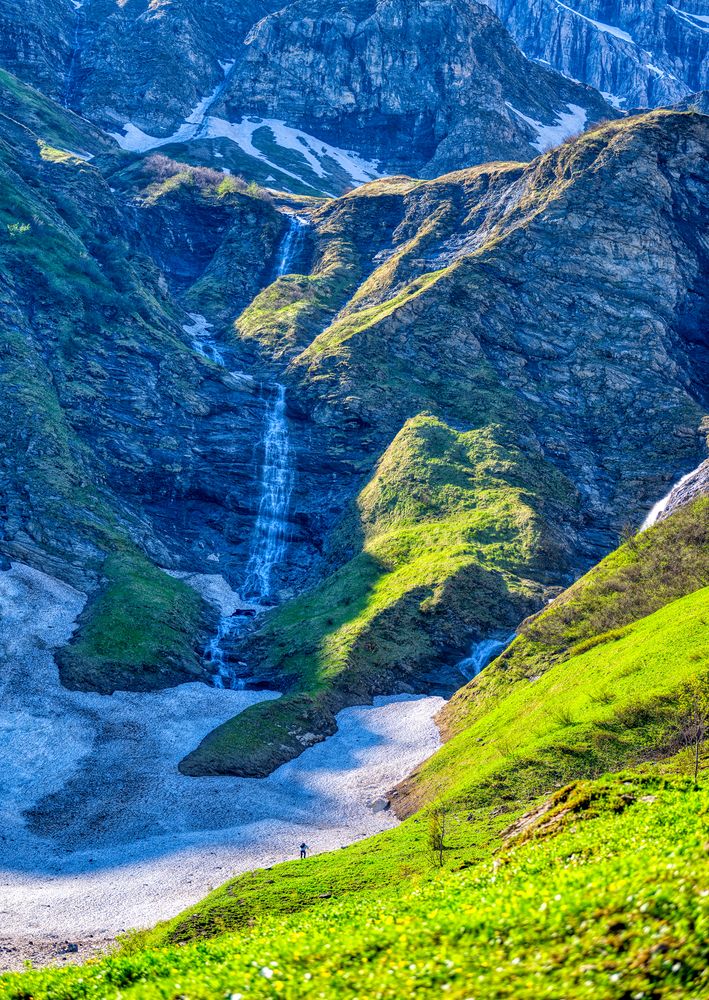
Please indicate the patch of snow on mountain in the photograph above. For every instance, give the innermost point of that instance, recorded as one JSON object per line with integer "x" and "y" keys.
{"x": 315, "y": 152}
{"x": 568, "y": 123}
{"x": 616, "y": 102}
{"x": 691, "y": 19}
{"x": 609, "y": 29}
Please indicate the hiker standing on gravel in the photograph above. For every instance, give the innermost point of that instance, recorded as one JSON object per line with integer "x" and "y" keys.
{"x": 304, "y": 850}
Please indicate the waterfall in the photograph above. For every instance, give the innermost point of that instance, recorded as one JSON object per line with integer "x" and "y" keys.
{"x": 291, "y": 245}
{"x": 202, "y": 343}
{"x": 483, "y": 653}
{"x": 659, "y": 508}
{"x": 268, "y": 540}
{"x": 223, "y": 676}
{"x": 72, "y": 74}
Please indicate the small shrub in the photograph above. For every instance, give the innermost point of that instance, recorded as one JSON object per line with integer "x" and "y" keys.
{"x": 436, "y": 833}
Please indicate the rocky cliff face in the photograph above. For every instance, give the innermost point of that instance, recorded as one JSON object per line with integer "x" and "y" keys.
{"x": 417, "y": 85}
{"x": 637, "y": 53}
{"x": 141, "y": 61}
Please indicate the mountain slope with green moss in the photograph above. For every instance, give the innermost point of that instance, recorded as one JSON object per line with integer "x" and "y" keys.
{"x": 599, "y": 887}
{"x": 621, "y": 702}
{"x": 458, "y": 532}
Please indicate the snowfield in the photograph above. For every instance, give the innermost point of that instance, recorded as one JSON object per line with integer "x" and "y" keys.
{"x": 317, "y": 155}
{"x": 99, "y": 832}
{"x": 568, "y": 123}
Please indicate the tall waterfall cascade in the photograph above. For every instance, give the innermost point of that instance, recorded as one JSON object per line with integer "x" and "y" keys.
{"x": 291, "y": 245}
{"x": 270, "y": 535}
{"x": 72, "y": 75}
{"x": 268, "y": 540}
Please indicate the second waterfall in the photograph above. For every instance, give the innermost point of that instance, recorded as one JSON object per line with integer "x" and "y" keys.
{"x": 270, "y": 534}
{"x": 268, "y": 541}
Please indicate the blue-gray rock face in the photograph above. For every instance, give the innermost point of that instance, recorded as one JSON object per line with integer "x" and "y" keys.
{"x": 417, "y": 85}
{"x": 639, "y": 53}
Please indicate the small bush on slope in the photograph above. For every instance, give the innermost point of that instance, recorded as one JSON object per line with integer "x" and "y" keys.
{"x": 616, "y": 905}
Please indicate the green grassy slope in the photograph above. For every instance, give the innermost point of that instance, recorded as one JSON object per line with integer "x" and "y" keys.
{"x": 611, "y": 705}
{"x": 28, "y": 109}
{"x": 451, "y": 537}
{"x": 593, "y": 674}
{"x": 608, "y": 896}
{"x": 594, "y": 713}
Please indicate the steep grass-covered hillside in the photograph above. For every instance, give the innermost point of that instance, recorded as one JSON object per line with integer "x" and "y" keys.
{"x": 595, "y": 888}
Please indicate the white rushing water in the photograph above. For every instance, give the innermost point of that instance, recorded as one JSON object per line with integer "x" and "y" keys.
{"x": 270, "y": 534}
{"x": 482, "y": 653}
{"x": 659, "y": 508}
{"x": 291, "y": 245}
{"x": 202, "y": 342}
{"x": 267, "y": 547}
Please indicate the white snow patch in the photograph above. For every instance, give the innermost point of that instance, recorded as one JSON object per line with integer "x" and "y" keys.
{"x": 137, "y": 141}
{"x": 314, "y": 151}
{"x": 125, "y": 839}
{"x": 568, "y": 123}
{"x": 199, "y": 125}
{"x": 616, "y": 102}
{"x": 609, "y": 29}
{"x": 86, "y": 157}
{"x": 691, "y": 19}
{"x": 213, "y": 588}
{"x": 202, "y": 342}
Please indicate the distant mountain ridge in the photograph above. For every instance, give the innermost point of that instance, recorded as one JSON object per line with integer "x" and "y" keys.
{"x": 638, "y": 53}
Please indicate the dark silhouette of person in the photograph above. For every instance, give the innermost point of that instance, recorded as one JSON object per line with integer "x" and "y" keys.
{"x": 304, "y": 850}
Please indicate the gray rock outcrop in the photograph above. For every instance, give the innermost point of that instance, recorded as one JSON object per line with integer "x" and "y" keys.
{"x": 639, "y": 53}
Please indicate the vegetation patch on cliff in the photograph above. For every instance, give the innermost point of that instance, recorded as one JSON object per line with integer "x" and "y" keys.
{"x": 140, "y": 631}
{"x": 465, "y": 549}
